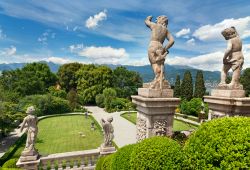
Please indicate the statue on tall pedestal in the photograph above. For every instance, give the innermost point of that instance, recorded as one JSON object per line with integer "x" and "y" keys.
{"x": 30, "y": 121}
{"x": 233, "y": 59}
{"x": 156, "y": 52}
{"x": 108, "y": 129}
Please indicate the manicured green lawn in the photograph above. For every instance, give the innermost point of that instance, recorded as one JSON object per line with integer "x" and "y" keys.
{"x": 178, "y": 125}
{"x": 62, "y": 134}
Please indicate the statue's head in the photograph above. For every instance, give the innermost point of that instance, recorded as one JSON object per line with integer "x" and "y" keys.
{"x": 110, "y": 119}
{"x": 163, "y": 20}
{"x": 229, "y": 33}
{"x": 30, "y": 110}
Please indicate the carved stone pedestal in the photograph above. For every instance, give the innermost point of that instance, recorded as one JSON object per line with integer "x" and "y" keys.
{"x": 227, "y": 103}
{"x": 107, "y": 150}
{"x": 28, "y": 165}
{"x": 155, "y": 114}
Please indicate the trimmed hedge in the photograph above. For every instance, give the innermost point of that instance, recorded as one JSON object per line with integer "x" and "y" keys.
{"x": 99, "y": 163}
{"x": 106, "y": 165}
{"x": 220, "y": 144}
{"x": 10, "y": 163}
{"x": 122, "y": 157}
{"x": 11, "y": 151}
{"x": 157, "y": 153}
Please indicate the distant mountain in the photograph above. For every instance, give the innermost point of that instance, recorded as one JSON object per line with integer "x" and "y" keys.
{"x": 211, "y": 77}
{"x": 12, "y": 66}
{"x": 171, "y": 72}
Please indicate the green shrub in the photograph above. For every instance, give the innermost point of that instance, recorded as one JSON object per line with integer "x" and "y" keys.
{"x": 122, "y": 157}
{"x": 57, "y": 92}
{"x": 192, "y": 107}
{"x": 119, "y": 104}
{"x": 99, "y": 163}
{"x": 109, "y": 95}
{"x": 10, "y": 163}
{"x": 157, "y": 153}
{"x": 45, "y": 104}
{"x": 220, "y": 144}
{"x": 99, "y": 99}
{"x": 106, "y": 165}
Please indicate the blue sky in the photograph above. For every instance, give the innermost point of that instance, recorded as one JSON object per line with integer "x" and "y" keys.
{"x": 113, "y": 32}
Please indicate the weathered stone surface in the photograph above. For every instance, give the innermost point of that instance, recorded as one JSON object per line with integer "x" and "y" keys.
{"x": 156, "y": 51}
{"x": 155, "y": 116}
{"x": 28, "y": 158}
{"x": 155, "y": 93}
{"x": 228, "y": 93}
{"x": 233, "y": 59}
{"x": 226, "y": 106}
{"x": 28, "y": 165}
{"x": 107, "y": 150}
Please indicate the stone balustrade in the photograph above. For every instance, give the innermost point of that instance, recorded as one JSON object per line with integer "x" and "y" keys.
{"x": 71, "y": 160}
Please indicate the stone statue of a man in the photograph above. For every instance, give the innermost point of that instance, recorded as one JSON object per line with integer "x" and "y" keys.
{"x": 30, "y": 121}
{"x": 108, "y": 132}
{"x": 156, "y": 52}
{"x": 233, "y": 59}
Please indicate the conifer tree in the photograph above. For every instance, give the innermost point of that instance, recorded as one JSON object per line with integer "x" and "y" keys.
{"x": 200, "y": 88}
{"x": 187, "y": 86}
{"x": 177, "y": 87}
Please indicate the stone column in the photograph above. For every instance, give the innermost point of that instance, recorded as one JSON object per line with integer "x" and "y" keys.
{"x": 155, "y": 114}
{"x": 227, "y": 102}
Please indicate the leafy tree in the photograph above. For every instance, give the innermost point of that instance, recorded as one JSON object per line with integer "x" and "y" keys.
{"x": 109, "y": 95}
{"x": 34, "y": 78}
{"x": 57, "y": 92}
{"x": 92, "y": 80}
{"x": 126, "y": 82}
{"x": 72, "y": 98}
{"x": 67, "y": 75}
{"x": 177, "y": 87}
{"x": 99, "y": 99}
{"x": 200, "y": 88}
{"x": 245, "y": 79}
{"x": 187, "y": 86}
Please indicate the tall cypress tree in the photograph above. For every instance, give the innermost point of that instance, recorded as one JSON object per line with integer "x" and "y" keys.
{"x": 187, "y": 86}
{"x": 200, "y": 88}
{"x": 177, "y": 87}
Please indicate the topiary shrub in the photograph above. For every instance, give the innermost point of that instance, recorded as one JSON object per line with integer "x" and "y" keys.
{"x": 106, "y": 165}
{"x": 10, "y": 163}
{"x": 220, "y": 144}
{"x": 122, "y": 157}
{"x": 157, "y": 153}
{"x": 99, "y": 163}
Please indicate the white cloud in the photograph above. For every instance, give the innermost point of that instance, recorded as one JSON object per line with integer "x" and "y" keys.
{"x": 76, "y": 48}
{"x": 45, "y": 36}
{"x": 211, "y": 61}
{"x": 93, "y": 21}
{"x": 191, "y": 41}
{"x": 8, "y": 51}
{"x": 58, "y": 60}
{"x": 213, "y": 32}
{"x": 100, "y": 55}
{"x": 182, "y": 32}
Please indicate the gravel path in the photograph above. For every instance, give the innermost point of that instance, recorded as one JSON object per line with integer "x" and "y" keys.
{"x": 124, "y": 131}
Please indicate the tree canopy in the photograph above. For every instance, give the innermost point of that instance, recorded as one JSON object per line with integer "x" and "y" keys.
{"x": 200, "y": 89}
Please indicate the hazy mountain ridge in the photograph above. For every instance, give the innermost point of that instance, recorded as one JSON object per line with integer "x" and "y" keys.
{"x": 145, "y": 71}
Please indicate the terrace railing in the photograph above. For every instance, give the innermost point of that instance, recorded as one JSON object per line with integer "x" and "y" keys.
{"x": 85, "y": 160}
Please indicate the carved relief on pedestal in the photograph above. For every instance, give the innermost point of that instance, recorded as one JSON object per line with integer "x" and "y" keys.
{"x": 141, "y": 127}
{"x": 160, "y": 127}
